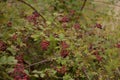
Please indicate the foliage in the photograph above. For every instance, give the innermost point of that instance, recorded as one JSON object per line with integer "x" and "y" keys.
{"x": 59, "y": 40}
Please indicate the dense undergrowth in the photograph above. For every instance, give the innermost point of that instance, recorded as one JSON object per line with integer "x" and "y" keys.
{"x": 59, "y": 40}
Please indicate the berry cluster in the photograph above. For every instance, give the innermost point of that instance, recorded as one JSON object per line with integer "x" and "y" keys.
{"x": 64, "y": 45}
{"x": 98, "y": 57}
{"x": 9, "y": 24}
{"x": 3, "y": 46}
{"x": 96, "y": 52}
{"x": 64, "y": 19}
{"x": 64, "y": 52}
{"x": 19, "y": 73}
{"x": 98, "y": 26}
{"x": 76, "y": 26}
{"x": 118, "y": 45}
{"x": 19, "y": 58}
{"x": 44, "y": 44}
{"x": 33, "y": 18}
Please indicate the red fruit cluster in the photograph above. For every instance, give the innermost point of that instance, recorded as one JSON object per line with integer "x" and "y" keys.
{"x": 44, "y": 44}
{"x": 33, "y": 18}
{"x": 3, "y": 46}
{"x": 98, "y": 57}
{"x": 19, "y": 58}
{"x": 9, "y": 24}
{"x": 61, "y": 70}
{"x": 98, "y": 26}
{"x": 36, "y": 14}
{"x": 64, "y": 52}
{"x": 64, "y": 19}
{"x": 19, "y": 73}
{"x": 118, "y": 45}
{"x": 64, "y": 45}
{"x": 96, "y": 53}
{"x": 76, "y": 26}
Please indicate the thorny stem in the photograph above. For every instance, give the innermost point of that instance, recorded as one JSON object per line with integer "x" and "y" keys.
{"x": 33, "y": 9}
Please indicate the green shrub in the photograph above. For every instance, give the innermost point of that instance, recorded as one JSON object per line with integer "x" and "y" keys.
{"x": 59, "y": 40}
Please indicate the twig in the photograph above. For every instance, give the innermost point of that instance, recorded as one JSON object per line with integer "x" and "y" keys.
{"x": 83, "y": 5}
{"x": 33, "y": 9}
{"x": 41, "y": 62}
{"x": 27, "y": 4}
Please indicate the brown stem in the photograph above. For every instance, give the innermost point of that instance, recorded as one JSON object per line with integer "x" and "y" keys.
{"x": 33, "y": 9}
{"x": 83, "y": 5}
{"x": 41, "y": 62}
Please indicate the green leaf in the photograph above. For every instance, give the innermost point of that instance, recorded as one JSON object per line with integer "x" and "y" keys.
{"x": 3, "y": 60}
{"x": 35, "y": 37}
{"x": 61, "y": 36}
{"x": 67, "y": 77}
{"x": 42, "y": 75}
{"x": 12, "y": 49}
{"x": 8, "y": 60}
{"x": 11, "y": 60}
